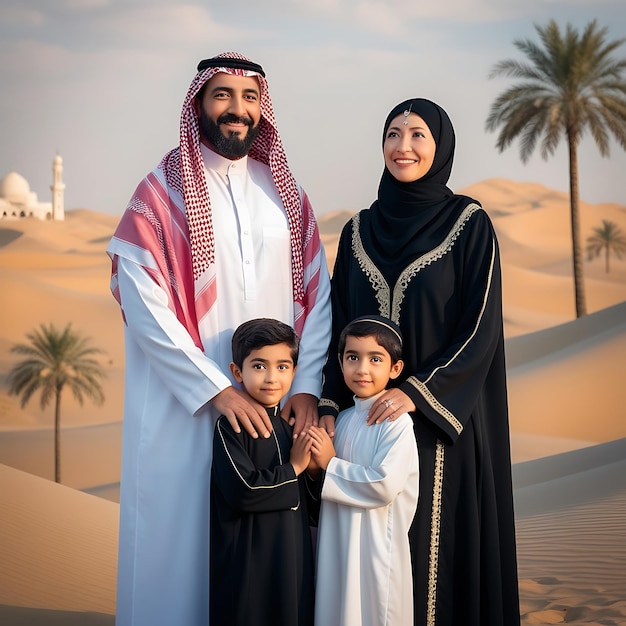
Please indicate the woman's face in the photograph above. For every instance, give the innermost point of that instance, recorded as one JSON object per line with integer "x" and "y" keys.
{"x": 409, "y": 150}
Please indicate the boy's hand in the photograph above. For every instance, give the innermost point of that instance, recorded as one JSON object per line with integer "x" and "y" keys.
{"x": 322, "y": 447}
{"x": 313, "y": 469}
{"x": 300, "y": 454}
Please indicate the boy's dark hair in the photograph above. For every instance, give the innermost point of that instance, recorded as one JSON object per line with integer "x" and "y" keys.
{"x": 260, "y": 332}
{"x": 386, "y": 333}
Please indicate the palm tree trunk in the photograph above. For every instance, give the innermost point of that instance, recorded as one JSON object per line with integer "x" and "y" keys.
{"x": 57, "y": 438}
{"x": 577, "y": 255}
{"x": 606, "y": 259}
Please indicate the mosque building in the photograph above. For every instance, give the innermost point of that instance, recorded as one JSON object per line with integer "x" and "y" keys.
{"x": 17, "y": 201}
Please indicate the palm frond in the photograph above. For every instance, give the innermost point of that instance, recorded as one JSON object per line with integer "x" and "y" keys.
{"x": 53, "y": 360}
{"x": 572, "y": 84}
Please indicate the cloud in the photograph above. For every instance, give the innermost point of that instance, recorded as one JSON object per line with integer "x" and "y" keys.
{"x": 402, "y": 17}
{"x": 381, "y": 18}
{"x": 13, "y": 18}
{"x": 102, "y": 81}
{"x": 163, "y": 26}
{"x": 98, "y": 24}
{"x": 82, "y": 5}
{"x": 101, "y": 45}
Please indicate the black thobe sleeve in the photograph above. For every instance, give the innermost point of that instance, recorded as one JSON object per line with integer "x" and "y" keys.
{"x": 245, "y": 487}
{"x": 335, "y": 394}
{"x": 446, "y": 390}
{"x": 313, "y": 491}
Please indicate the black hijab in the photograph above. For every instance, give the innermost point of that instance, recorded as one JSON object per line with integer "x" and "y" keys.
{"x": 409, "y": 219}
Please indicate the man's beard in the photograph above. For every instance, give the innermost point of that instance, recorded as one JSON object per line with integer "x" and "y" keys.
{"x": 231, "y": 147}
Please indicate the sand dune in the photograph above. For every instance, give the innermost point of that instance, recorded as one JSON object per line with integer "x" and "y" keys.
{"x": 90, "y": 455}
{"x": 566, "y": 394}
{"x": 571, "y": 536}
{"x": 58, "y": 546}
{"x": 568, "y": 381}
{"x": 23, "y": 616}
{"x": 58, "y": 272}
{"x": 571, "y": 527}
{"x": 533, "y": 227}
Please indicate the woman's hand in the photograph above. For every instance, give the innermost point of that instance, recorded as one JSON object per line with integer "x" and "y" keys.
{"x": 390, "y": 405}
{"x": 327, "y": 422}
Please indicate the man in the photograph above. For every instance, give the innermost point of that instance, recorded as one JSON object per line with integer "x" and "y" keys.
{"x": 217, "y": 234}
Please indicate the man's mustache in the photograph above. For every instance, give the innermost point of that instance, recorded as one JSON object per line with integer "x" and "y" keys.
{"x": 230, "y": 118}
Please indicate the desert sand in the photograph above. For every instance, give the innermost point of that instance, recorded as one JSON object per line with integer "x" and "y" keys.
{"x": 566, "y": 396}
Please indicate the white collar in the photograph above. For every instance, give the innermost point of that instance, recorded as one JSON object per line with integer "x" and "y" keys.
{"x": 365, "y": 404}
{"x": 218, "y": 163}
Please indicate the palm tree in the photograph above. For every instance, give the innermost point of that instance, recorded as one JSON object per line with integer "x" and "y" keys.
{"x": 608, "y": 238}
{"x": 53, "y": 360}
{"x": 570, "y": 85}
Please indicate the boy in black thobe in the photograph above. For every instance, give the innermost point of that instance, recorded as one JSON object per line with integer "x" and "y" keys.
{"x": 261, "y": 550}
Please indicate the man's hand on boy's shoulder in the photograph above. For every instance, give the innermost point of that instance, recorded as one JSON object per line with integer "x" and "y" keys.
{"x": 239, "y": 408}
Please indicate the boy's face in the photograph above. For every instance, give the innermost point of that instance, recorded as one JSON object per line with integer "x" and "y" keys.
{"x": 367, "y": 366}
{"x": 266, "y": 374}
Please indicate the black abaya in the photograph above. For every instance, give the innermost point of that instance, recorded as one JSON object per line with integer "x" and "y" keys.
{"x": 447, "y": 301}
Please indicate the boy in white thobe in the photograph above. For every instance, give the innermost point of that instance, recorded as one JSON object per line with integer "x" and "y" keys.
{"x": 370, "y": 491}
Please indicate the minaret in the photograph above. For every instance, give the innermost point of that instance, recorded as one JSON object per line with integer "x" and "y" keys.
{"x": 58, "y": 189}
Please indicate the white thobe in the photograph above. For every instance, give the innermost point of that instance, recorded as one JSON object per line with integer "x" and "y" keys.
{"x": 163, "y": 569}
{"x": 369, "y": 499}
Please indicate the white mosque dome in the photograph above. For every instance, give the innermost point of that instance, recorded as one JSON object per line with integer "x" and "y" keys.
{"x": 17, "y": 201}
{"x": 15, "y": 188}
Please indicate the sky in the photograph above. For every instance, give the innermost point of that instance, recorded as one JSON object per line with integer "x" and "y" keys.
{"x": 102, "y": 82}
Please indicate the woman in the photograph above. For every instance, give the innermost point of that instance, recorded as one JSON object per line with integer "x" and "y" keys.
{"x": 428, "y": 259}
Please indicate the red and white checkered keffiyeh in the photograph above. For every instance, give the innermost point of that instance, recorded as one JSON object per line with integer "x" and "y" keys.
{"x": 177, "y": 190}
{"x": 184, "y": 170}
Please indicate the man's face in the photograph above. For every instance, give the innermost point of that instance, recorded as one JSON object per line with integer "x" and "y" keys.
{"x": 229, "y": 113}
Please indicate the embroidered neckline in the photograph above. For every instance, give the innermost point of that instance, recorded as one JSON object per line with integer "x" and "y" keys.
{"x": 389, "y": 304}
